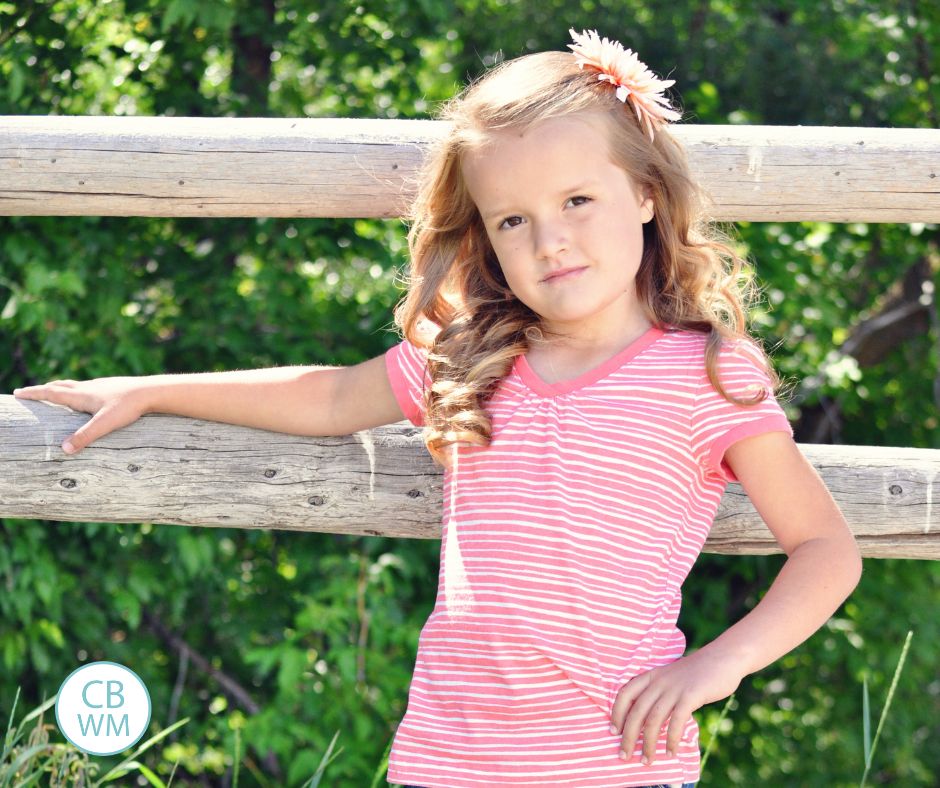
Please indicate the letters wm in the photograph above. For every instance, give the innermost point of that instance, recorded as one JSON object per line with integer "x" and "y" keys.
{"x": 103, "y": 708}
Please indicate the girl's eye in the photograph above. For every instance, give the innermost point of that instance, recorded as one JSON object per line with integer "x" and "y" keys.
{"x": 510, "y": 221}
{"x": 579, "y": 200}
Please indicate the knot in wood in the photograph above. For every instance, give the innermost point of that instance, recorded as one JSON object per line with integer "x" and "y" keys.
{"x": 68, "y": 484}
{"x": 414, "y": 493}
{"x": 316, "y": 500}
{"x": 895, "y": 489}
{"x": 270, "y": 473}
{"x": 133, "y": 468}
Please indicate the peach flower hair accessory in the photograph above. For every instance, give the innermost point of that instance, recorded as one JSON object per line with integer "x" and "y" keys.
{"x": 623, "y": 69}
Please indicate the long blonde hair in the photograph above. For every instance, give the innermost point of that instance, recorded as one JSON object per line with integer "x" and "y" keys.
{"x": 689, "y": 276}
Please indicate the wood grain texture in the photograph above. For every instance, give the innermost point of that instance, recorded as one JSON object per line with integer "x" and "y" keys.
{"x": 337, "y": 167}
{"x": 165, "y": 469}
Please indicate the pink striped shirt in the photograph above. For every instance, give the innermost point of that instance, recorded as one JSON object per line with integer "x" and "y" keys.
{"x": 564, "y": 547}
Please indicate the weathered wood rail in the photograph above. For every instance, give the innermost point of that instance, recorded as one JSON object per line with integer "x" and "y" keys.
{"x": 304, "y": 167}
{"x": 382, "y": 482}
{"x": 165, "y": 469}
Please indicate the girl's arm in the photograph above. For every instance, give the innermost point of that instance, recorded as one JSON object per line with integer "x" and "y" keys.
{"x": 822, "y": 567}
{"x": 300, "y": 400}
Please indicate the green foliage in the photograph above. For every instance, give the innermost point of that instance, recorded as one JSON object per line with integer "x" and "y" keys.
{"x": 277, "y": 641}
{"x": 29, "y": 757}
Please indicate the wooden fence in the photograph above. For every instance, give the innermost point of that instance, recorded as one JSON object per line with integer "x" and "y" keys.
{"x": 166, "y": 469}
{"x": 130, "y": 166}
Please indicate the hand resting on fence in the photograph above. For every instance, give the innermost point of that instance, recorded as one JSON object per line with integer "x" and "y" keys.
{"x": 316, "y": 401}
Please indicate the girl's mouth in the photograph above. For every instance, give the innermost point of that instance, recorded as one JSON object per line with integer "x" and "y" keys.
{"x": 564, "y": 274}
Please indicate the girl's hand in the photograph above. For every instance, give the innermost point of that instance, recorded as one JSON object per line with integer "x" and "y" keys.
{"x": 113, "y": 403}
{"x": 669, "y": 695}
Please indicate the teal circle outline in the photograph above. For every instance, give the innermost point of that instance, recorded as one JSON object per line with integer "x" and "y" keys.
{"x": 88, "y": 665}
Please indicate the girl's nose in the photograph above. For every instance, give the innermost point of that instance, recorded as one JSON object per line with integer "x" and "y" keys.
{"x": 551, "y": 238}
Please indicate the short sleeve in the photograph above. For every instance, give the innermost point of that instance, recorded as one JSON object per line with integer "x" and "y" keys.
{"x": 717, "y": 423}
{"x": 407, "y": 372}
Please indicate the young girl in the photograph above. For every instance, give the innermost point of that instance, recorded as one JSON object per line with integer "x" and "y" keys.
{"x": 575, "y": 349}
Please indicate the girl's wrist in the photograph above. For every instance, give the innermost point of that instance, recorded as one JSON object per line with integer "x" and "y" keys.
{"x": 733, "y": 655}
{"x": 150, "y": 396}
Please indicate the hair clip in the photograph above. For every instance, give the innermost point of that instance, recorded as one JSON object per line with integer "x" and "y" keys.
{"x": 633, "y": 80}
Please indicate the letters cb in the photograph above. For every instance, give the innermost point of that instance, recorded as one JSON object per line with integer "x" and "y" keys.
{"x": 103, "y": 708}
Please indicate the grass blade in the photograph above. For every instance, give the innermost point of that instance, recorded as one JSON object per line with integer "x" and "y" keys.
{"x": 238, "y": 757}
{"x": 10, "y": 737}
{"x": 152, "y": 778}
{"x": 866, "y": 721}
{"x": 119, "y": 770}
{"x": 382, "y": 769}
{"x": 715, "y": 730}
{"x": 39, "y": 709}
{"x": 884, "y": 711}
{"x": 326, "y": 760}
{"x": 169, "y": 782}
{"x": 24, "y": 759}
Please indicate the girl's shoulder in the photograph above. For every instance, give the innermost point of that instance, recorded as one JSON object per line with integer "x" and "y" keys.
{"x": 684, "y": 342}
{"x": 687, "y": 337}
{"x": 692, "y": 346}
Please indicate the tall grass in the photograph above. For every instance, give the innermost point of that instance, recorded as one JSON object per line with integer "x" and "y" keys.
{"x": 871, "y": 746}
{"x": 28, "y": 757}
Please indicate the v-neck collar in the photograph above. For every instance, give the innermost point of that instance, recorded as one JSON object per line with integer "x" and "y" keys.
{"x": 531, "y": 378}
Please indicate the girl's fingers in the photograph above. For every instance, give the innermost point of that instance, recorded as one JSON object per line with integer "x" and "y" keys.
{"x": 635, "y": 720}
{"x": 37, "y": 391}
{"x": 84, "y": 435}
{"x": 644, "y": 708}
{"x": 29, "y": 392}
{"x": 43, "y": 391}
{"x": 680, "y": 716}
{"x": 104, "y": 421}
{"x": 652, "y": 728}
{"x": 625, "y": 698}
{"x": 88, "y": 432}
{"x": 60, "y": 392}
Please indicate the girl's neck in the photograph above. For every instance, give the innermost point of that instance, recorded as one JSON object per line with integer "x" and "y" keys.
{"x": 567, "y": 361}
{"x": 591, "y": 343}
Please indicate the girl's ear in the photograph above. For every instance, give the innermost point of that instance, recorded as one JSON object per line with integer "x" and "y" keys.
{"x": 647, "y": 210}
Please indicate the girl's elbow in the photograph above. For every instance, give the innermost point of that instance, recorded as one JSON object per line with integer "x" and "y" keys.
{"x": 850, "y": 561}
{"x": 847, "y": 552}
{"x": 856, "y": 567}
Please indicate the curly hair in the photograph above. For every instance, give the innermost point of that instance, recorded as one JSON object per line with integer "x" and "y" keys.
{"x": 689, "y": 276}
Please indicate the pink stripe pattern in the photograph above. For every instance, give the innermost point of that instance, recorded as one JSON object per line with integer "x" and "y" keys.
{"x": 564, "y": 547}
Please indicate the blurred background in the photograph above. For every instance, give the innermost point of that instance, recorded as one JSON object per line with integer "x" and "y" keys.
{"x": 286, "y": 638}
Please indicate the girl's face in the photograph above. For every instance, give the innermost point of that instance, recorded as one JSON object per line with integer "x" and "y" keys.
{"x": 566, "y": 224}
